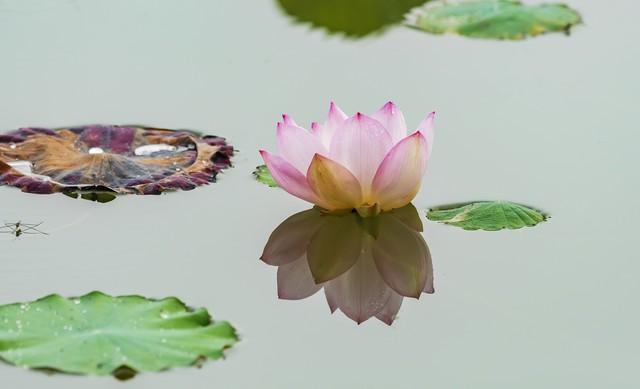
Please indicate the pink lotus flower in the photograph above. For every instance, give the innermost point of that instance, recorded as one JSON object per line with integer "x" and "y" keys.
{"x": 367, "y": 163}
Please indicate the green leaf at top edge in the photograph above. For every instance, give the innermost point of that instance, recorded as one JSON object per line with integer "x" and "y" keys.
{"x": 263, "y": 175}
{"x": 487, "y": 215}
{"x": 350, "y": 18}
{"x": 493, "y": 19}
{"x": 99, "y": 334}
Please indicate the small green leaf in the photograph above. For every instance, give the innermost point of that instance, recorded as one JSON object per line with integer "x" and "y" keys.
{"x": 263, "y": 175}
{"x": 487, "y": 215}
{"x": 100, "y": 335}
{"x": 352, "y": 18}
{"x": 493, "y": 19}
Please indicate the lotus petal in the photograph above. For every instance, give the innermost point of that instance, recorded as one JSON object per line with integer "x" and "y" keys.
{"x": 399, "y": 176}
{"x": 393, "y": 120}
{"x": 335, "y": 119}
{"x": 360, "y": 146}
{"x": 288, "y": 177}
{"x": 335, "y": 187}
{"x": 296, "y": 145}
{"x": 426, "y": 128}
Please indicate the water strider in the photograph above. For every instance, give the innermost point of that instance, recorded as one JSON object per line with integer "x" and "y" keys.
{"x": 19, "y": 228}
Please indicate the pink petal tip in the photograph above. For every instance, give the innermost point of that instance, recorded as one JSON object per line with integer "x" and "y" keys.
{"x": 288, "y": 120}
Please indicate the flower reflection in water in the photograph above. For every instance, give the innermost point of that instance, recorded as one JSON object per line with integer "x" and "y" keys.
{"x": 366, "y": 266}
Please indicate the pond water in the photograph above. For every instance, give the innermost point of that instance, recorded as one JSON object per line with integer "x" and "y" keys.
{"x": 548, "y": 122}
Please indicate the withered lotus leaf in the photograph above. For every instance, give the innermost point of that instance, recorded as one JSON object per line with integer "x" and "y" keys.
{"x": 122, "y": 159}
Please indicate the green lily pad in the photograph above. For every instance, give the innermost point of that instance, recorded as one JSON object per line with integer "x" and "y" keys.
{"x": 263, "y": 175}
{"x": 493, "y": 19}
{"x": 353, "y": 18}
{"x": 101, "y": 335}
{"x": 487, "y": 215}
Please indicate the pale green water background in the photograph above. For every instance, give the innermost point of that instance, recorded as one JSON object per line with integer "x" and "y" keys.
{"x": 550, "y": 122}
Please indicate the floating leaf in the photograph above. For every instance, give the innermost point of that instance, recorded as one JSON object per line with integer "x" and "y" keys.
{"x": 487, "y": 215}
{"x": 98, "y": 162}
{"x": 353, "y": 18}
{"x": 263, "y": 175}
{"x": 101, "y": 335}
{"x": 493, "y": 19}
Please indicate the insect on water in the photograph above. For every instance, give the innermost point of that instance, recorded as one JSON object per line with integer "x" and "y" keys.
{"x": 19, "y": 228}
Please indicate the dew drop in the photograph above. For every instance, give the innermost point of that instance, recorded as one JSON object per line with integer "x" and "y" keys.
{"x": 96, "y": 150}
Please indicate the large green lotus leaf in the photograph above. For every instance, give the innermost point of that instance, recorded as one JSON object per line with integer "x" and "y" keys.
{"x": 353, "y": 18}
{"x": 493, "y": 19}
{"x": 101, "y": 335}
{"x": 263, "y": 175}
{"x": 487, "y": 215}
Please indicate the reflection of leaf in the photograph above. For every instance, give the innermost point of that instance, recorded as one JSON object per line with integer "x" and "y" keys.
{"x": 100, "y": 194}
{"x": 487, "y": 215}
{"x": 494, "y": 19}
{"x": 99, "y": 334}
{"x": 263, "y": 175}
{"x": 353, "y": 18}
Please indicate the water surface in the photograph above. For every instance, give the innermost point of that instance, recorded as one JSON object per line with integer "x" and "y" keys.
{"x": 549, "y": 122}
